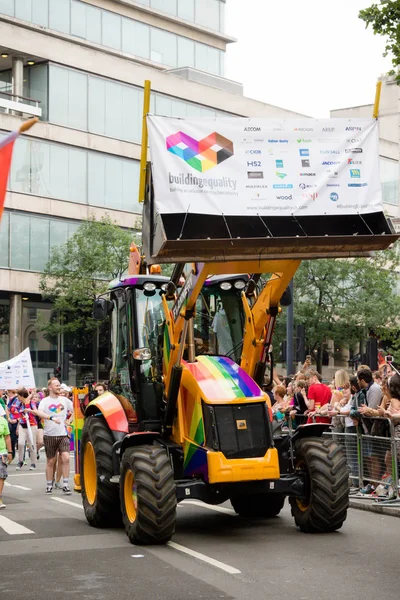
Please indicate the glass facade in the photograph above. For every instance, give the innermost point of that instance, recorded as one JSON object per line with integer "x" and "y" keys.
{"x": 127, "y": 35}
{"x": 105, "y": 107}
{"x": 52, "y": 170}
{"x": 390, "y": 180}
{"x": 207, "y": 13}
{"x": 26, "y": 240}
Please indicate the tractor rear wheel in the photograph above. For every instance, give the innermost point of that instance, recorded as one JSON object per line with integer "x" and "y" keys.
{"x": 148, "y": 495}
{"x": 100, "y": 497}
{"x": 258, "y": 505}
{"x": 324, "y": 508}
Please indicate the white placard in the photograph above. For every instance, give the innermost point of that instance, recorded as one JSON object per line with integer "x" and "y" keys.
{"x": 17, "y": 372}
{"x": 266, "y": 167}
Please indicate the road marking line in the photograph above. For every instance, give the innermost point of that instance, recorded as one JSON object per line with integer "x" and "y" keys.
{"x": 67, "y": 502}
{"x": 12, "y": 527}
{"x": 204, "y": 558}
{"x": 19, "y": 487}
{"x": 221, "y": 509}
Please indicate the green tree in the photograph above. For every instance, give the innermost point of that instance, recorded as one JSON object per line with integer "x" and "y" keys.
{"x": 80, "y": 270}
{"x": 384, "y": 18}
{"x": 346, "y": 300}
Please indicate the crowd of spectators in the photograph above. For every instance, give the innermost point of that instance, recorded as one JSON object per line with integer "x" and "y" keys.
{"x": 349, "y": 404}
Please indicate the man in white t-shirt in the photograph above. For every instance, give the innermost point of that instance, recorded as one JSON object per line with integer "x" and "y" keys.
{"x": 56, "y": 411}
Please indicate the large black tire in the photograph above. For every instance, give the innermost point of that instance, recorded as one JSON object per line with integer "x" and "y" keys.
{"x": 256, "y": 506}
{"x": 147, "y": 477}
{"x": 102, "y": 508}
{"x": 324, "y": 509}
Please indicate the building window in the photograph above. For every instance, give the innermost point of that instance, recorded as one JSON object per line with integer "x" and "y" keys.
{"x": 109, "y": 108}
{"x": 52, "y": 170}
{"x": 4, "y": 328}
{"x": 121, "y": 33}
{"x": 390, "y": 181}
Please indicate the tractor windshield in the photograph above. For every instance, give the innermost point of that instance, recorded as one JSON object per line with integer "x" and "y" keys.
{"x": 150, "y": 319}
{"x": 219, "y": 322}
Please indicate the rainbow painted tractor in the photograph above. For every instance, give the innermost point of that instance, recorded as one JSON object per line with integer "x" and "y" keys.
{"x": 187, "y": 415}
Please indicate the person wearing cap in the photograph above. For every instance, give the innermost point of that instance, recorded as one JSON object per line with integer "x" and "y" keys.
{"x": 5, "y": 452}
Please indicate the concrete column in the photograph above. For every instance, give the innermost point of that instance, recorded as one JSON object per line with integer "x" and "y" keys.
{"x": 15, "y": 324}
{"x": 17, "y": 76}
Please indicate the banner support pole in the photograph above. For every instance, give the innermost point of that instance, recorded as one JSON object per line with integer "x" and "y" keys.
{"x": 375, "y": 114}
{"x": 143, "y": 154}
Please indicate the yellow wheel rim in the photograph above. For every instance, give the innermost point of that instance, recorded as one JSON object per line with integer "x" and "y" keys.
{"x": 130, "y": 496}
{"x": 90, "y": 473}
{"x": 302, "y": 505}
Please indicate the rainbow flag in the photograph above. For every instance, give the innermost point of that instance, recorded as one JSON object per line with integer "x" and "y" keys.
{"x": 6, "y": 148}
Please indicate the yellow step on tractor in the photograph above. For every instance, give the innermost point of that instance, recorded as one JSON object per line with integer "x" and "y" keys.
{"x": 186, "y": 414}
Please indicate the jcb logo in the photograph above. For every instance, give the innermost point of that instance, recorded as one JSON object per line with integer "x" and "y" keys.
{"x": 241, "y": 424}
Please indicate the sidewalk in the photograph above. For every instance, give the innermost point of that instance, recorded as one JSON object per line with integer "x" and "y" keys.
{"x": 371, "y": 505}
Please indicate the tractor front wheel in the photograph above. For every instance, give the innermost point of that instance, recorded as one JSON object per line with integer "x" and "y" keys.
{"x": 100, "y": 497}
{"x": 324, "y": 506}
{"x": 148, "y": 495}
{"x": 258, "y": 505}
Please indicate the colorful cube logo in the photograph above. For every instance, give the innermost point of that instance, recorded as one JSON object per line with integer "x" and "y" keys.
{"x": 203, "y": 154}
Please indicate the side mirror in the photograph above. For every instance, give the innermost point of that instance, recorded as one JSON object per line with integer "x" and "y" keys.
{"x": 286, "y": 299}
{"x": 101, "y": 308}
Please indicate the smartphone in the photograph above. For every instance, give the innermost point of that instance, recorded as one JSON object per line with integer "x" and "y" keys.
{"x": 308, "y": 357}
{"x": 389, "y": 359}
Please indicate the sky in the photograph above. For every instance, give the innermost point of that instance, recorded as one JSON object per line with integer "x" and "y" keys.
{"x": 309, "y": 56}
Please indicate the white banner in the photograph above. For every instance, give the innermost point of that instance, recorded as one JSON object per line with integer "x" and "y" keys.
{"x": 17, "y": 372}
{"x": 266, "y": 167}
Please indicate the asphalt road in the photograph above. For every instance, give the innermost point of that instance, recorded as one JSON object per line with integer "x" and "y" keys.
{"x": 48, "y": 551}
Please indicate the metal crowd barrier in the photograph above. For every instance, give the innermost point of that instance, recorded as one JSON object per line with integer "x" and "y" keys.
{"x": 370, "y": 458}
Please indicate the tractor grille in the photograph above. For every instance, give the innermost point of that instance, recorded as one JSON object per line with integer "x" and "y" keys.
{"x": 238, "y": 431}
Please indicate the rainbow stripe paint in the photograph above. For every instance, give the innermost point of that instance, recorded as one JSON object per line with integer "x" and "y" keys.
{"x": 220, "y": 378}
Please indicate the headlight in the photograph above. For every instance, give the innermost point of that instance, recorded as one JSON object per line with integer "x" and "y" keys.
{"x": 225, "y": 285}
{"x": 149, "y": 287}
{"x": 240, "y": 284}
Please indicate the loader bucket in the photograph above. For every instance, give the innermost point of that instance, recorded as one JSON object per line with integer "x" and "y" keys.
{"x": 172, "y": 238}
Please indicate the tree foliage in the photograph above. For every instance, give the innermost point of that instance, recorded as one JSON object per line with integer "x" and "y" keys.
{"x": 80, "y": 270}
{"x": 384, "y": 18}
{"x": 346, "y": 300}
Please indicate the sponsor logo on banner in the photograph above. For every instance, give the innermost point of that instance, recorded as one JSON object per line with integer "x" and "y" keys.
{"x": 304, "y": 152}
{"x": 357, "y": 184}
{"x": 307, "y": 174}
{"x": 252, "y": 140}
{"x": 282, "y": 186}
{"x": 253, "y": 151}
{"x": 329, "y": 151}
{"x": 281, "y": 175}
{"x": 353, "y": 129}
{"x": 355, "y": 173}
{"x": 351, "y": 161}
{"x": 201, "y": 155}
{"x": 332, "y": 174}
{"x": 303, "y": 129}
{"x": 279, "y": 164}
{"x": 252, "y": 129}
{"x": 309, "y": 195}
{"x": 353, "y": 140}
{"x": 290, "y": 197}
{"x": 255, "y": 175}
{"x": 353, "y": 150}
{"x": 254, "y": 163}
{"x": 329, "y": 163}
{"x": 332, "y": 185}
{"x": 328, "y": 129}
{"x": 271, "y": 141}
{"x": 334, "y": 197}
{"x": 305, "y": 164}
{"x": 306, "y": 186}
{"x": 303, "y": 141}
